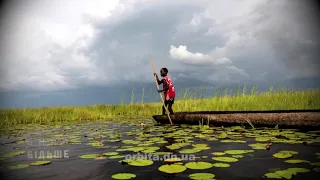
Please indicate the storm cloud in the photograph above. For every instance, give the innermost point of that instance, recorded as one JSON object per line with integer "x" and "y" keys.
{"x": 54, "y": 45}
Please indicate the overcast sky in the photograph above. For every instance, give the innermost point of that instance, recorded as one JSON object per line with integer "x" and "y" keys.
{"x": 49, "y": 45}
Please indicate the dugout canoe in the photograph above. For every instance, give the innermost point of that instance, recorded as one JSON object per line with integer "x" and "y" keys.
{"x": 282, "y": 118}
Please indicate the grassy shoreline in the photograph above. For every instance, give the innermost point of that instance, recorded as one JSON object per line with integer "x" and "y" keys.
{"x": 272, "y": 100}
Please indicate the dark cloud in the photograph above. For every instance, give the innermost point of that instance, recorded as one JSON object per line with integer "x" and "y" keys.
{"x": 296, "y": 38}
{"x": 262, "y": 41}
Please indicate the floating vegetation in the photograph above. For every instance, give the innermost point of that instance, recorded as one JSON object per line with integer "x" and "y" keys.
{"x": 18, "y": 166}
{"x": 237, "y": 156}
{"x": 100, "y": 158}
{"x": 200, "y": 146}
{"x": 236, "y": 152}
{"x": 177, "y": 146}
{"x": 258, "y": 146}
{"x": 138, "y": 162}
{"x": 218, "y": 153}
{"x": 116, "y": 157}
{"x": 39, "y": 163}
{"x": 284, "y": 154}
{"x": 173, "y": 146}
{"x": 287, "y": 174}
{"x": 295, "y": 161}
{"x": 172, "y": 169}
{"x": 232, "y": 141}
{"x": 315, "y": 164}
{"x": 222, "y": 165}
{"x": 123, "y": 176}
{"x": 198, "y": 165}
{"x": 225, "y": 159}
{"x": 202, "y": 176}
{"x": 189, "y": 151}
{"x": 89, "y": 156}
{"x": 317, "y": 169}
{"x": 263, "y": 139}
{"x": 12, "y": 154}
{"x": 110, "y": 153}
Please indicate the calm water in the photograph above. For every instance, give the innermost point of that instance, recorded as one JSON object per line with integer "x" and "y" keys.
{"x": 83, "y": 139}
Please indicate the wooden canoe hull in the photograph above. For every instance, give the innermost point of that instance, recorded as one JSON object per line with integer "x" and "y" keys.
{"x": 282, "y": 118}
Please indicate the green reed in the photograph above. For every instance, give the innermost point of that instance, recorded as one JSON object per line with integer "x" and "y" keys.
{"x": 187, "y": 100}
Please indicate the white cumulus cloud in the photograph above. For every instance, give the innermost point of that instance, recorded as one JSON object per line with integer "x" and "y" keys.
{"x": 182, "y": 54}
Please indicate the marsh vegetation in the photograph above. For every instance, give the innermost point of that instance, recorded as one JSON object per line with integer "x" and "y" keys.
{"x": 240, "y": 99}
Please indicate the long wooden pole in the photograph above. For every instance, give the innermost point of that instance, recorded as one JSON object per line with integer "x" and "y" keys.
{"x": 168, "y": 113}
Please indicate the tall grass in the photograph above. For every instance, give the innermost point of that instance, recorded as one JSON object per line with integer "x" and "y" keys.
{"x": 187, "y": 101}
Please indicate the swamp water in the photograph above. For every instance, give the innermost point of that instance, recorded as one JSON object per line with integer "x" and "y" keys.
{"x": 110, "y": 151}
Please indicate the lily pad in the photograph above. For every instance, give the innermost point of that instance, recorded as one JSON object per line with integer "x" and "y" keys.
{"x": 283, "y": 154}
{"x": 295, "y": 161}
{"x": 258, "y": 146}
{"x": 287, "y": 174}
{"x": 213, "y": 139}
{"x": 189, "y": 151}
{"x": 225, "y": 159}
{"x": 121, "y": 150}
{"x": 232, "y": 141}
{"x": 116, "y": 157}
{"x": 136, "y": 149}
{"x": 148, "y": 151}
{"x": 100, "y": 158}
{"x": 315, "y": 164}
{"x": 12, "y": 154}
{"x": 18, "y": 166}
{"x": 89, "y": 156}
{"x": 218, "y": 153}
{"x": 262, "y": 139}
{"x": 294, "y": 171}
{"x": 284, "y": 173}
{"x": 174, "y": 147}
{"x": 291, "y": 152}
{"x": 201, "y": 146}
{"x": 198, "y": 165}
{"x": 201, "y": 176}
{"x": 237, "y": 156}
{"x": 123, "y": 176}
{"x": 236, "y": 152}
{"x": 172, "y": 169}
{"x": 130, "y": 142}
{"x": 139, "y": 162}
{"x": 273, "y": 176}
{"x": 317, "y": 169}
{"x": 145, "y": 144}
{"x": 152, "y": 148}
{"x": 110, "y": 153}
{"x": 222, "y": 165}
{"x": 39, "y": 163}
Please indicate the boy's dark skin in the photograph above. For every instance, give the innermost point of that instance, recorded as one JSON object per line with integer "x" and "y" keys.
{"x": 170, "y": 102}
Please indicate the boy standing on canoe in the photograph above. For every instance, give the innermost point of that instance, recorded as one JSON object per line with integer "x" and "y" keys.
{"x": 168, "y": 90}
